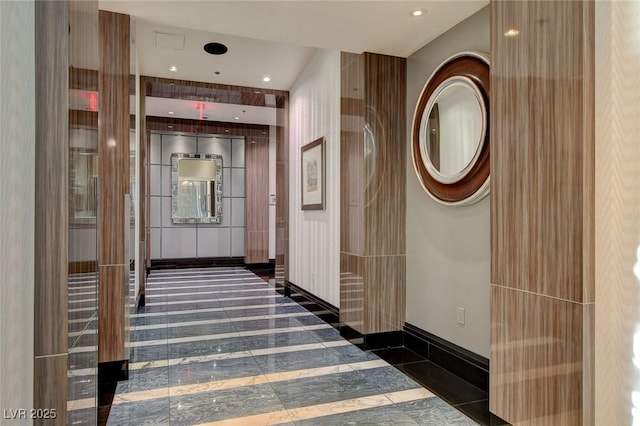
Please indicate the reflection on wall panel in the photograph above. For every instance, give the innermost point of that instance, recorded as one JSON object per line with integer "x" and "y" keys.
{"x": 542, "y": 171}
{"x": 373, "y": 190}
{"x": 175, "y": 241}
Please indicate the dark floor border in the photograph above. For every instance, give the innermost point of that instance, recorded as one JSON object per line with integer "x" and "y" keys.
{"x": 463, "y": 363}
{"x": 199, "y": 262}
{"x": 467, "y": 365}
{"x": 322, "y": 309}
{"x": 113, "y": 371}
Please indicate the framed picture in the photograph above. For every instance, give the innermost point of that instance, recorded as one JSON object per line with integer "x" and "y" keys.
{"x": 313, "y": 175}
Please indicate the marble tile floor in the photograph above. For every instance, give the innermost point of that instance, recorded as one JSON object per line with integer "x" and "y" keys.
{"x": 221, "y": 346}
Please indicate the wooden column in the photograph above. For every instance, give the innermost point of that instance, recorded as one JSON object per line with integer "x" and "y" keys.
{"x": 141, "y": 266}
{"x": 256, "y": 246}
{"x": 282, "y": 191}
{"x": 372, "y": 223}
{"x": 51, "y": 207}
{"x": 542, "y": 212}
{"x": 113, "y": 215}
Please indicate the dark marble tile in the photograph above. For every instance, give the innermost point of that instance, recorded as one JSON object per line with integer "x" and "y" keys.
{"x": 280, "y": 339}
{"x": 152, "y": 334}
{"x": 206, "y": 347}
{"x": 151, "y": 412}
{"x": 267, "y": 310}
{"x": 223, "y": 404}
{"x": 85, "y": 339}
{"x": 148, "y": 353}
{"x": 264, "y": 324}
{"x": 201, "y": 330}
{"x": 434, "y": 411}
{"x": 350, "y": 354}
{"x": 252, "y": 301}
{"x": 86, "y": 416}
{"x": 328, "y": 334}
{"x": 211, "y": 371}
{"x": 145, "y": 379}
{"x": 298, "y": 360}
{"x": 81, "y": 387}
{"x": 195, "y": 316}
{"x": 379, "y": 416}
{"x": 398, "y": 355}
{"x": 335, "y": 387}
{"x": 446, "y": 385}
{"x": 79, "y": 360}
{"x": 479, "y": 411}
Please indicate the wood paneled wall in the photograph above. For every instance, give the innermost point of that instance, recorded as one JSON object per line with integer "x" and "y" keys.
{"x": 256, "y": 240}
{"x": 373, "y": 190}
{"x": 282, "y": 192}
{"x": 51, "y": 206}
{"x": 141, "y": 150}
{"x": 542, "y": 185}
{"x": 113, "y": 154}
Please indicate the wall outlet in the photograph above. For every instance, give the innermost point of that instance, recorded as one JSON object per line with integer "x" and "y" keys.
{"x": 460, "y": 315}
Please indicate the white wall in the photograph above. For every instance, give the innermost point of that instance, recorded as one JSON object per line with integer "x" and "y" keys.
{"x": 314, "y": 239}
{"x": 172, "y": 241}
{"x": 448, "y": 248}
{"x": 17, "y": 180}
{"x": 617, "y": 217}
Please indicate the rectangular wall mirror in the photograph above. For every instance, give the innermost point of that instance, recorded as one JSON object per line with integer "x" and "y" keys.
{"x": 196, "y": 195}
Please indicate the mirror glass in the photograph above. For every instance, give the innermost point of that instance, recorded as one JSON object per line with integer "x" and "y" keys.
{"x": 196, "y": 188}
{"x": 452, "y": 129}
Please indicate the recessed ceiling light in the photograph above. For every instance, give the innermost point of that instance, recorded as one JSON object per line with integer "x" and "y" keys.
{"x": 173, "y": 68}
{"x": 236, "y": 118}
{"x": 170, "y": 112}
{"x": 511, "y": 32}
{"x": 215, "y": 48}
{"x": 418, "y": 12}
{"x": 266, "y": 79}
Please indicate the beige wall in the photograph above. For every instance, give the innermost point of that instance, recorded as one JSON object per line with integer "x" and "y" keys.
{"x": 617, "y": 256}
{"x": 448, "y": 249}
{"x": 17, "y": 138}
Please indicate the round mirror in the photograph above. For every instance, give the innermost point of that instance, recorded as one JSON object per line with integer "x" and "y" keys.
{"x": 450, "y": 132}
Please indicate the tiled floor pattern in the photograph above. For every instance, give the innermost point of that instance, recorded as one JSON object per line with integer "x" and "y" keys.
{"x": 221, "y": 346}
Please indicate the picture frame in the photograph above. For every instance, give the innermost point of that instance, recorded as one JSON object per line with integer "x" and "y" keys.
{"x": 312, "y": 176}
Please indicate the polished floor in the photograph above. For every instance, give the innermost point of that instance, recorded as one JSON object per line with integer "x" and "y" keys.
{"x": 221, "y": 346}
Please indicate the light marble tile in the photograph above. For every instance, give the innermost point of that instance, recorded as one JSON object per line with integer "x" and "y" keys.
{"x": 226, "y": 182}
{"x": 155, "y": 204}
{"x": 237, "y": 212}
{"x": 237, "y": 150}
{"x": 155, "y": 243}
{"x": 155, "y": 156}
{"x": 237, "y": 182}
{"x": 218, "y": 146}
{"x": 237, "y": 241}
{"x": 214, "y": 242}
{"x": 178, "y": 243}
{"x": 176, "y": 144}
{"x": 154, "y": 180}
{"x": 165, "y": 181}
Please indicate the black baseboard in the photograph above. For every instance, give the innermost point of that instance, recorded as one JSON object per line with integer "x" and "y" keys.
{"x": 322, "y": 309}
{"x": 372, "y": 341}
{"x": 199, "y": 262}
{"x": 140, "y": 300}
{"x": 113, "y": 371}
{"x": 467, "y": 365}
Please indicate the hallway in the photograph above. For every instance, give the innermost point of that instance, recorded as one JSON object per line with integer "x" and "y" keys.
{"x": 221, "y": 345}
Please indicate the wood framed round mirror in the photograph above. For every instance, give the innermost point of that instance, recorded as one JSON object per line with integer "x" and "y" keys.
{"x": 450, "y": 134}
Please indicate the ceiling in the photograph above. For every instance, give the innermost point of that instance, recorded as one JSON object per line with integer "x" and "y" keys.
{"x": 277, "y": 38}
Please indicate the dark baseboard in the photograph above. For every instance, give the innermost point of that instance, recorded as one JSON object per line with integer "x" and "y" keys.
{"x": 322, "y": 309}
{"x": 200, "y": 262}
{"x": 140, "y": 300}
{"x": 113, "y": 371}
{"x": 467, "y": 365}
{"x": 372, "y": 341}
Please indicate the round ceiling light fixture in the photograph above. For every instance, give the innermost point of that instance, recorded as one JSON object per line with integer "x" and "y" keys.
{"x": 214, "y": 48}
{"x": 418, "y": 12}
{"x": 266, "y": 79}
{"x": 173, "y": 68}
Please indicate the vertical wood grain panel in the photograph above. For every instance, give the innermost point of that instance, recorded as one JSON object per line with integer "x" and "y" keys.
{"x": 373, "y": 191}
{"x": 282, "y": 192}
{"x": 51, "y": 206}
{"x": 257, "y": 200}
{"x": 113, "y": 153}
{"x": 51, "y": 198}
{"x": 50, "y": 386}
{"x": 142, "y": 190}
{"x": 542, "y": 212}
